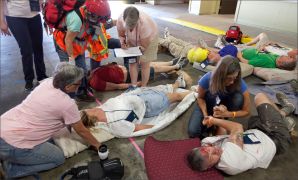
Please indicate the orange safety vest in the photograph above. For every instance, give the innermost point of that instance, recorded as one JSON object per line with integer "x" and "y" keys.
{"x": 98, "y": 48}
{"x": 80, "y": 42}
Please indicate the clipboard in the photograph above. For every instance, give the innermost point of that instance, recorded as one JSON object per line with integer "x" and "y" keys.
{"x": 129, "y": 52}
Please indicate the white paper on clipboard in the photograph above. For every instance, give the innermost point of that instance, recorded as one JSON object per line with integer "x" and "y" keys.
{"x": 129, "y": 52}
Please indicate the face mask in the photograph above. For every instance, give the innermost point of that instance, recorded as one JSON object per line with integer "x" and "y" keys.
{"x": 92, "y": 18}
{"x": 109, "y": 24}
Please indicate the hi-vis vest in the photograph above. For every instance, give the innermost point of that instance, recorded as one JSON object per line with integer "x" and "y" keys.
{"x": 98, "y": 44}
{"x": 83, "y": 38}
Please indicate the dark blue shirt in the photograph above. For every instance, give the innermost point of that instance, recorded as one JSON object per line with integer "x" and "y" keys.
{"x": 228, "y": 50}
{"x": 205, "y": 81}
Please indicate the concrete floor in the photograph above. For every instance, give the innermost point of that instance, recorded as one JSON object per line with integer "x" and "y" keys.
{"x": 12, "y": 93}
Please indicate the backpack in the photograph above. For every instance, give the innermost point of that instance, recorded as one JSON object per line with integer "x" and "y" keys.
{"x": 54, "y": 11}
{"x": 233, "y": 35}
{"x": 111, "y": 169}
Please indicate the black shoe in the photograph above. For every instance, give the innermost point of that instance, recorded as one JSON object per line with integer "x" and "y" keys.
{"x": 176, "y": 60}
{"x": 183, "y": 63}
{"x": 28, "y": 86}
{"x": 84, "y": 97}
{"x": 42, "y": 78}
{"x": 130, "y": 88}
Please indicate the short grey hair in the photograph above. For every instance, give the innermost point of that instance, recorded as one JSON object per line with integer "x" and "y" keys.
{"x": 66, "y": 74}
{"x": 196, "y": 160}
{"x": 131, "y": 16}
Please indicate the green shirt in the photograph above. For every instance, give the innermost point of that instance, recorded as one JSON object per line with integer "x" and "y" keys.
{"x": 259, "y": 59}
{"x": 73, "y": 22}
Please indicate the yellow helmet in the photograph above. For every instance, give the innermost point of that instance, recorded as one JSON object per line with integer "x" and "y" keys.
{"x": 197, "y": 55}
{"x": 190, "y": 55}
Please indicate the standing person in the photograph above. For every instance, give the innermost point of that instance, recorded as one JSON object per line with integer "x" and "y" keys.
{"x": 24, "y": 21}
{"x": 82, "y": 26}
{"x": 222, "y": 94}
{"x": 243, "y": 150}
{"x": 26, "y": 130}
{"x": 135, "y": 28}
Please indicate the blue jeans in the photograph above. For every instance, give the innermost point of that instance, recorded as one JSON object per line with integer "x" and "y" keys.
{"x": 112, "y": 44}
{"x": 23, "y": 162}
{"x": 80, "y": 62}
{"x": 63, "y": 56}
{"x": 233, "y": 102}
{"x": 155, "y": 102}
{"x": 28, "y": 34}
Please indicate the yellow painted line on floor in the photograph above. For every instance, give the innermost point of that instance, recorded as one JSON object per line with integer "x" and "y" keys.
{"x": 203, "y": 28}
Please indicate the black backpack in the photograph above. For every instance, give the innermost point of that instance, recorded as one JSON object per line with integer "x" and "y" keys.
{"x": 112, "y": 169}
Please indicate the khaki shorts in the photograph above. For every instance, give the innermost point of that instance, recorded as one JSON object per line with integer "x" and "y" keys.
{"x": 151, "y": 52}
{"x": 264, "y": 40}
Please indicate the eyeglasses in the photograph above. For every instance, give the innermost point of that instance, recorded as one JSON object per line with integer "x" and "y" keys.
{"x": 76, "y": 84}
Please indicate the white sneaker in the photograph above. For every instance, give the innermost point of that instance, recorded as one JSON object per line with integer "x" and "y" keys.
{"x": 181, "y": 81}
{"x": 166, "y": 33}
{"x": 219, "y": 44}
{"x": 194, "y": 88}
{"x": 202, "y": 43}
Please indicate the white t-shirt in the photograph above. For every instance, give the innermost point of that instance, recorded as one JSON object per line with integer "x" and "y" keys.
{"x": 117, "y": 109}
{"x": 277, "y": 50}
{"x": 44, "y": 112}
{"x": 20, "y": 8}
{"x": 235, "y": 160}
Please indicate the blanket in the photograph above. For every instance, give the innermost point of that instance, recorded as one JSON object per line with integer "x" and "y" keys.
{"x": 71, "y": 143}
{"x": 272, "y": 89}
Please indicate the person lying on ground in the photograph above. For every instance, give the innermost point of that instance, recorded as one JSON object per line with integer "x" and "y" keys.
{"x": 266, "y": 60}
{"x": 215, "y": 55}
{"x": 243, "y": 150}
{"x": 26, "y": 130}
{"x": 257, "y": 57}
{"x": 262, "y": 43}
{"x": 114, "y": 76}
{"x": 177, "y": 45}
{"x": 124, "y": 113}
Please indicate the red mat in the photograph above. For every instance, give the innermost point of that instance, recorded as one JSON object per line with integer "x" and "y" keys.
{"x": 167, "y": 160}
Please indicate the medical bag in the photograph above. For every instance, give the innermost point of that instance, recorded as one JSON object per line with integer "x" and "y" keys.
{"x": 233, "y": 35}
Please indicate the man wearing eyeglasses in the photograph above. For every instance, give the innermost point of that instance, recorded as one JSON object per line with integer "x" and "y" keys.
{"x": 85, "y": 27}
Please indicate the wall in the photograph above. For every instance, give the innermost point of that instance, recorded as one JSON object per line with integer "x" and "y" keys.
{"x": 194, "y": 7}
{"x": 203, "y": 6}
{"x": 274, "y": 15}
{"x": 209, "y": 6}
{"x": 156, "y": 2}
